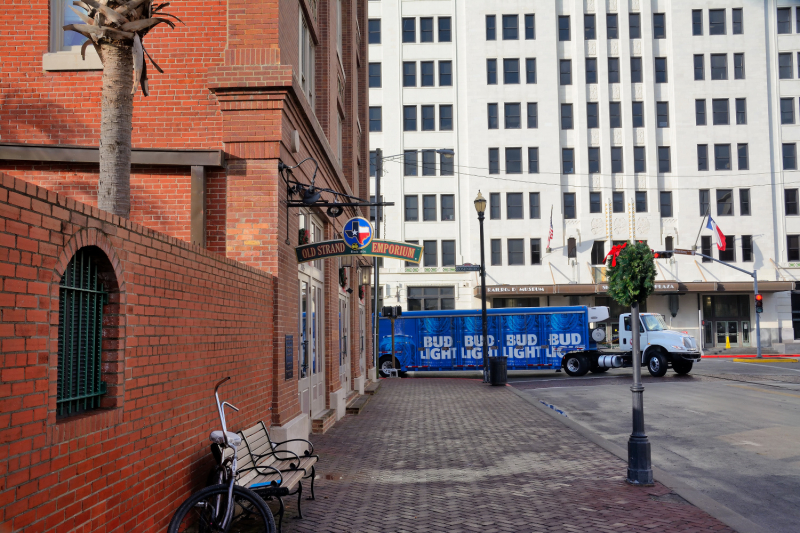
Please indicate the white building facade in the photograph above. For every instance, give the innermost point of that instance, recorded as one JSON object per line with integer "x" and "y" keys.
{"x": 625, "y": 119}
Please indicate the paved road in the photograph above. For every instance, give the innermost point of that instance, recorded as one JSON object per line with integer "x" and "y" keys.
{"x": 730, "y": 430}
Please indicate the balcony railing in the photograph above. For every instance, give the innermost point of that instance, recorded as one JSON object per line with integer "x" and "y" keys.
{"x": 428, "y": 270}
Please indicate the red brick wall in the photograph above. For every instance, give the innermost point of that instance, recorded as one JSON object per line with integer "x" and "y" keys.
{"x": 186, "y": 318}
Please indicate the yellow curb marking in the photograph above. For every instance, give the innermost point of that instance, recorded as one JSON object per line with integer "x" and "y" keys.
{"x": 770, "y": 360}
{"x": 766, "y": 391}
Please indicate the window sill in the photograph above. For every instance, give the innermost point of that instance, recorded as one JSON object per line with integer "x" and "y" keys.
{"x": 59, "y": 61}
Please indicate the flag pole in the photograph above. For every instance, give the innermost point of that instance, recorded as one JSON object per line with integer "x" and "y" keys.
{"x": 702, "y": 225}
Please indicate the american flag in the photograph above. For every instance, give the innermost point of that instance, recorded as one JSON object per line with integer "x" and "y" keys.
{"x": 550, "y": 235}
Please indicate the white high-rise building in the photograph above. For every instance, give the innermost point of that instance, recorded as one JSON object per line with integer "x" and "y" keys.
{"x": 624, "y": 119}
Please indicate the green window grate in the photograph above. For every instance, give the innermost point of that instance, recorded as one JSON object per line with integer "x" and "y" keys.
{"x": 80, "y": 335}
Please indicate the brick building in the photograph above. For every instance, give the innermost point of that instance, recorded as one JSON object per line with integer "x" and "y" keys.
{"x": 246, "y": 85}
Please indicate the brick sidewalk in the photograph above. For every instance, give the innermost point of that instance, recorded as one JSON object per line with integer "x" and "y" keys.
{"x": 436, "y": 455}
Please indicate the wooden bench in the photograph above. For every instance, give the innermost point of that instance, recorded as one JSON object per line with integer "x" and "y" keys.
{"x": 273, "y": 472}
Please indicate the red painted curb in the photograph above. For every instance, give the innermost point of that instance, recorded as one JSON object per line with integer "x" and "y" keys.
{"x": 751, "y": 355}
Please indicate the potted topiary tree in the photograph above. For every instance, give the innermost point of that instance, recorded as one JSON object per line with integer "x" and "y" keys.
{"x": 631, "y": 276}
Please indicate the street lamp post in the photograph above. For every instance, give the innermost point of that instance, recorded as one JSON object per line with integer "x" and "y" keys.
{"x": 480, "y": 207}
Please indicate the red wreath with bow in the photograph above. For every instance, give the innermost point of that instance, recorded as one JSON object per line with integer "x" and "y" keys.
{"x": 614, "y": 253}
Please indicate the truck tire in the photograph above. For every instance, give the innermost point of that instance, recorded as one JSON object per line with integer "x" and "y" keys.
{"x": 575, "y": 365}
{"x": 657, "y": 365}
{"x": 682, "y": 366}
{"x": 385, "y": 362}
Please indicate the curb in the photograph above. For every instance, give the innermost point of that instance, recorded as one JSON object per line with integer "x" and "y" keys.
{"x": 771, "y": 356}
{"x": 770, "y": 360}
{"x": 695, "y": 497}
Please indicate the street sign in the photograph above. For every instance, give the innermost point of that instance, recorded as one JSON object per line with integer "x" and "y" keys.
{"x": 683, "y": 252}
{"x": 468, "y": 268}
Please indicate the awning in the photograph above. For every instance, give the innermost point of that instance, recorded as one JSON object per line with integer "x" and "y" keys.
{"x": 661, "y": 287}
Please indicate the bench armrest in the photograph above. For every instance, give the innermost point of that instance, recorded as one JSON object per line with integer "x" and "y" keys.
{"x": 308, "y": 452}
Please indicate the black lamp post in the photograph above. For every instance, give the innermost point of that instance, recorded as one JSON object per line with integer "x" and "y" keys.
{"x": 480, "y": 207}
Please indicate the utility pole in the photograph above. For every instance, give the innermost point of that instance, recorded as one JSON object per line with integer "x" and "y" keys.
{"x": 376, "y": 288}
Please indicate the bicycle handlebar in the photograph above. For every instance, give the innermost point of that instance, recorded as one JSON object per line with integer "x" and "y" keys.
{"x": 216, "y": 387}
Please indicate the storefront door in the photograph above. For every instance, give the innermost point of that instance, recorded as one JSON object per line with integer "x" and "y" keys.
{"x": 311, "y": 352}
{"x": 344, "y": 352}
{"x": 729, "y": 330}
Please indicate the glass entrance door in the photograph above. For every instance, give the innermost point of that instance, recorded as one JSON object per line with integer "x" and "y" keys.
{"x": 729, "y": 329}
{"x": 745, "y": 333}
{"x": 344, "y": 351}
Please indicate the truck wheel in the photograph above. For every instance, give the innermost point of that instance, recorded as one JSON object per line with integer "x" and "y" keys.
{"x": 657, "y": 365}
{"x": 575, "y": 365}
{"x": 682, "y": 367}
{"x": 385, "y": 363}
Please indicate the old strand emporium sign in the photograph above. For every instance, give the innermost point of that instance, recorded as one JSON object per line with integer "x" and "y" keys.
{"x": 357, "y": 240}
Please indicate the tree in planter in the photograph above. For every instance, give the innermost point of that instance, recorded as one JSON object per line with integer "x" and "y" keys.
{"x": 631, "y": 279}
{"x": 116, "y": 30}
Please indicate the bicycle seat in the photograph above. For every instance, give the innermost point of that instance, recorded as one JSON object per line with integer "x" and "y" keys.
{"x": 233, "y": 438}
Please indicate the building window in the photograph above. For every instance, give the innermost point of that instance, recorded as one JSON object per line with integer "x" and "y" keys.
{"x": 613, "y": 70}
{"x": 533, "y": 161}
{"x": 747, "y": 243}
{"x": 426, "y": 30}
{"x": 705, "y": 202}
{"x": 409, "y": 74}
{"x": 744, "y": 202}
{"x": 533, "y": 115}
{"x": 431, "y": 298}
{"x": 700, "y": 112}
{"x": 446, "y": 164}
{"x": 738, "y": 66}
{"x": 428, "y": 118}
{"x": 82, "y": 298}
{"x": 793, "y": 247}
{"x": 591, "y": 70}
{"x": 536, "y": 251}
{"x": 429, "y": 207}
{"x": 497, "y": 252}
{"x": 595, "y": 202}
{"x": 307, "y": 62}
{"x": 716, "y": 22}
{"x": 697, "y": 22}
{"x": 513, "y": 116}
{"x": 448, "y": 253}
{"x": 445, "y": 30}
{"x": 790, "y": 200}
{"x": 661, "y": 70}
{"x": 699, "y": 67}
{"x": 668, "y": 246}
{"x": 785, "y": 20}
{"x": 533, "y": 205}
{"x": 514, "y": 207}
{"x": 565, "y": 66}
{"x": 787, "y": 110}
{"x": 428, "y": 79}
{"x": 374, "y": 75}
{"x": 659, "y": 26}
{"x": 615, "y": 114}
{"x": 491, "y": 28}
{"x": 373, "y": 163}
{"x": 612, "y": 26}
{"x": 592, "y": 120}
{"x": 639, "y": 159}
{"x": 705, "y": 248}
{"x": 568, "y": 161}
{"x": 410, "y": 163}
{"x": 375, "y": 119}
{"x": 494, "y": 161}
{"x": 411, "y": 208}
{"x": 616, "y": 160}
{"x": 789, "y": 156}
{"x": 637, "y": 112}
{"x": 409, "y": 264}
{"x": 743, "y": 156}
{"x": 702, "y": 157}
{"x": 514, "y": 161}
{"x": 428, "y": 162}
{"x": 409, "y": 118}
{"x": 491, "y": 114}
{"x": 494, "y": 206}
{"x": 510, "y": 27}
{"x": 719, "y": 66}
{"x": 530, "y": 27}
{"x": 641, "y": 201}
{"x": 374, "y": 31}
{"x": 569, "y": 205}
{"x": 510, "y": 71}
{"x": 566, "y": 116}
{"x": 563, "y": 28}
{"x": 430, "y": 253}
{"x": 724, "y": 202}
{"x": 491, "y": 71}
{"x": 665, "y": 198}
{"x": 664, "y": 165}
{"x": 741, "y": 111}
{"x": 729, "y": 253}
{"x": 589, "y": 28}
{"x": 785, "y": 66}
{"x": 594, "y": 160}
{"x": 445, "y": 117}
{"x": 636, "y": 70}
{"x": 572, "y": 248}
{"x": 738, "y": 21}
{"x": 722, "y": 157}
{"x": 618, "y": 202}
{"x": 445, "y": 73}
{"x": 635, "y": 25}
{"x": 530, "y": 70}
{"x": 719, "y": 109}
{"x": 448, "y": 204}
{"x": 409, "y": 30}
{"x": 598, "y": 252}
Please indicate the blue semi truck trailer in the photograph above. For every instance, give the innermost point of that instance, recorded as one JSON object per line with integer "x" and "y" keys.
{"x": 532, "y": 338}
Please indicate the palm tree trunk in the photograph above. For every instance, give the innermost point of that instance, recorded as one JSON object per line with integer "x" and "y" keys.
{"x": 114, "y": 189}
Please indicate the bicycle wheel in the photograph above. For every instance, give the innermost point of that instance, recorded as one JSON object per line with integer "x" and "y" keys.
{"x": 204, "y": 511}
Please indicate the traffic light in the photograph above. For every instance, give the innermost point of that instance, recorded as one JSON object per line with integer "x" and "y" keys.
{"x": 662, "y": 255}
{"x": 394, "y": 311}
{"x": 759, "y": 303}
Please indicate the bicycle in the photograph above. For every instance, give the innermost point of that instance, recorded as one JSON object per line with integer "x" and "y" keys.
{"x": 223, "y": 507}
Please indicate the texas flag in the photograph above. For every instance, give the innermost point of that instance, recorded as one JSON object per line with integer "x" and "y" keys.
{"x": 359, "y": 230}
{"x": 719, "y": 237}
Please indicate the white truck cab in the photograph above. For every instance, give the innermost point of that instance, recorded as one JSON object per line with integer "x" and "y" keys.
{"x": 660, "y": 346}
